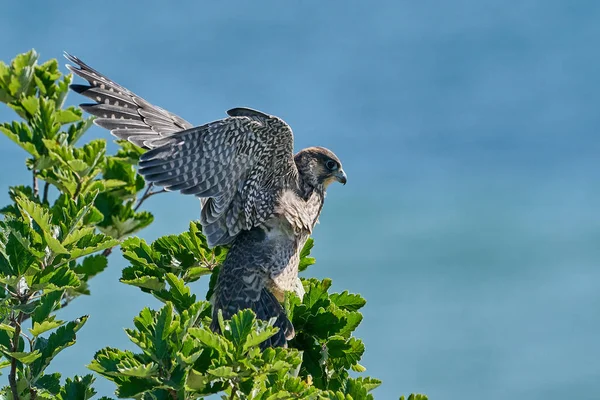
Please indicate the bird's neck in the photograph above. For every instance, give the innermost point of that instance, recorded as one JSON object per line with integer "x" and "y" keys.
{"x": 307, "y": 189}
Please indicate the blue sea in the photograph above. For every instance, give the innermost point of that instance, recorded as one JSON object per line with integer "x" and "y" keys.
{"x": 469, "y": 131}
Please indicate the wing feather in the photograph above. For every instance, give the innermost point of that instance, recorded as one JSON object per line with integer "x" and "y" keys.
{"x": 120, "y": 110}
{"x": 237, "y": 165}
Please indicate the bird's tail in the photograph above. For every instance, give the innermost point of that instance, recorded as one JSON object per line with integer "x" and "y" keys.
{"x": 264, "y": 304}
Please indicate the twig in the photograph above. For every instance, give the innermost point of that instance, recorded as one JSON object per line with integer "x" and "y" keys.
{"x": 13, "y": 294}
{"x": 233, "y": 390}
{"x": 12, "y": 376}
{"x": 147, "y": 194}
{"x": 46, "y": 187}
{"x": 77, "y": 187}
{"x": 35, "y": 184}
{"x": 30, "y": 340}
{"x": 144, "y": 196}
{"x": 66, "y": 300}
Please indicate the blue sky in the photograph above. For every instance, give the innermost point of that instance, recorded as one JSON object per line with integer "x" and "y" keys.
{"x": 469, "y": 132}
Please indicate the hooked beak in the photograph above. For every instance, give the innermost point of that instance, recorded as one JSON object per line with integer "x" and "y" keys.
{"x": 340, "y": 176}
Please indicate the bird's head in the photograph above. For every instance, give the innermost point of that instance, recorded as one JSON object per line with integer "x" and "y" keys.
{"x": 319, "y": 167}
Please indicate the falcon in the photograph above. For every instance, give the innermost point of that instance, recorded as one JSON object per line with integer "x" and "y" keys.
{"x": 256, "y": 195}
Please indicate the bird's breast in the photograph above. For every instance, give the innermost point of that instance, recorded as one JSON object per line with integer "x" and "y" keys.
{"x": 300, "y": 214}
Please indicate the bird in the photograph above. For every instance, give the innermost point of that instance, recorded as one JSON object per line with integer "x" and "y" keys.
{"x": 257, "y": 196}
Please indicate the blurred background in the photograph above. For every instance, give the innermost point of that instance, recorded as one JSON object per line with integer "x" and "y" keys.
{"x": 469, "y": 132}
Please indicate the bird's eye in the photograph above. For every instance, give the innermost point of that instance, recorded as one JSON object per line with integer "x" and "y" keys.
{"x": 331, "y": 165}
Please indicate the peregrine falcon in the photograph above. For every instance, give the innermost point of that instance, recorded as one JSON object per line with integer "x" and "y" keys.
{"x": 256, "y": 195}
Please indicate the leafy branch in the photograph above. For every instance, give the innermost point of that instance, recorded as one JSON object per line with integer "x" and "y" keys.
{"x": 51, "y": 245}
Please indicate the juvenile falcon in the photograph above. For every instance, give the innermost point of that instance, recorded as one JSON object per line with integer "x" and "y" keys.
{"x": 256, "y": 195}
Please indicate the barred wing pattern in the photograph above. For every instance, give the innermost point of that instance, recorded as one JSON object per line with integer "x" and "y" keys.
{"x": 123, "y": 113}
{"x": 237, "y": 166}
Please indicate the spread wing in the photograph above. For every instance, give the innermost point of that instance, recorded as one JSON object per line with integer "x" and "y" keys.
{"x": 238, "y": 165}
{"x": 122, "y": 112}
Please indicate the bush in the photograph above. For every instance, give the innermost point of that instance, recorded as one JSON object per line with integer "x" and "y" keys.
{"x": 57, "y": 234}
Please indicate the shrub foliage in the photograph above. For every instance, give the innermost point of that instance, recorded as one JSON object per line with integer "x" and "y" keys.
{"x": 57, "y": 234}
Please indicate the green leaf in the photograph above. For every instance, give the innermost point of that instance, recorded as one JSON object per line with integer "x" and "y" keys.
{"x": 36, "y": 212}
{"x": 92, "y": 243}
{"x": 7, "y": 328}
{"x": 122, "y": 227}
{"x": 21, "y": 73}
{"x": 145, "y": 282}
{"x": 369, "y": 383}
{"x": 224, "y": 372}
{"x": 305, "y": 260}
{"x": 132, "y": 367}
{"x": 30, "y": 104}
{"x": 76, "y": 130}
{"x": 49, "y": 302}
{"x": 194, "y": 273}
{"x": 241, "y": 325}
{"x": 358, "y": 368}
{"x": 77, "y": 166}
{"x": 356, "y": 390}
{"x": 21, "y": 134}
{"x": 110, "y": 184}
{"x": 42, "y": 218}
{"x": 324, "y": 324}
{"x": 198, "y": 241}
{"x": 196, "y": 381}
{"x": 316, "y": 293}
{"x": 257, "y": 337}
{"x": 106, "y": 360}
{"x": 25, "y": 358}
{"x": 67, "y": 116}
{"x": 56, "y": 279}
{"x": 353, "y": 319}
{"x": 133, "y": 387}
{"x": 348, "y": 352}
{"x": 347, "y": 301}
{"x": 78, "y": 388}
{"x": 62, "y": 338}
{"x": 16, "y": 256}
{"x": 44, "y": 326}
{"x": 76, "y": 234}
{"x": 43, "y": 162}
{"x": 50, "y": 382}
{"x": 4, "y": 364}
{"x": 54, "y": 244}
{"x": 163, "y": 329}
{"x": 209, "y": 339}
{"x": 415, "y": 396}
{"x": 92, "y": 265}
{"x": 137, "y": 251}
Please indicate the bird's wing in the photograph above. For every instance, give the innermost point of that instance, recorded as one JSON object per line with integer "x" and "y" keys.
{"x": 237, "y": 166}
{"x": 121, "y": 111}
